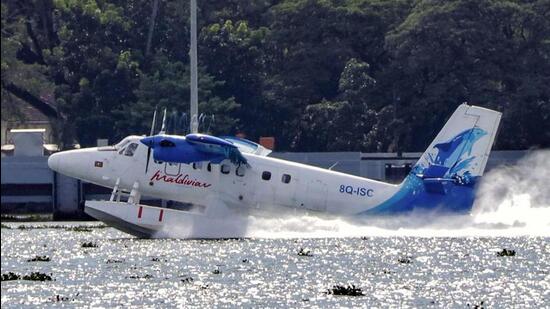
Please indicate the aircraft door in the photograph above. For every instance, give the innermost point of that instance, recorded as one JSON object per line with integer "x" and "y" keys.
{"x": 316, "y": 195}
{"x": 244, "y": 184}
{"x": 285, "y": 186}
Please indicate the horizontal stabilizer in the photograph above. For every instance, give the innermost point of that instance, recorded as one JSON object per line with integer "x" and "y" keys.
{"x": 435, "y": 171}
{"x": 437, "y": 185}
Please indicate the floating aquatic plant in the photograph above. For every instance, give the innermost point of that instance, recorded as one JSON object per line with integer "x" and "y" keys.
{"x": 78, "y": 228}
{"x": 110, "y": 261}
{"x": 506, "y": 252}
{"x": 5, "y": 226}
{"x": 304, "y": 252}
{"x": 37, "y": 276}
{"x": 216, "y": 271}
{"x": 58, "y": 298}
{"x": 156, "y": 259}
{"x": 146, "y": 276}
{"x": 405, "y": 260}
{"x": 476, "y": 306}
{"x": 10, "y": 276}
{"x": 349, "y": 290}
{"x": 39, "y": 258}
{"x": 89, "y": 245}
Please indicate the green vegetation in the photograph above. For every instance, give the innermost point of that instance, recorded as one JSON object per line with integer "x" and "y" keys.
{"x": 369, "y": 75}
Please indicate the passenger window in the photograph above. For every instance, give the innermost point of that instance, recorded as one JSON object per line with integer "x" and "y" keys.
{"x": 266, "y": 175}
{"x": 209, "y": 167}
{"x": 197, "y": 165}
{"x": 225, "y": 169}
{"x": 131, "y": 149}
{"x": 121, "y": 151}
{"x": 240, "y": 171}
{"x": 285, "y": 178}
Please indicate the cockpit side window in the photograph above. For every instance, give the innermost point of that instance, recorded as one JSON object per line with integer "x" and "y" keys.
{"x": 131, "y": 149}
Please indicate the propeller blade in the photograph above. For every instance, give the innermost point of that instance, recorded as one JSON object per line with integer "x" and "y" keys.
{"x": 148, "y": 157}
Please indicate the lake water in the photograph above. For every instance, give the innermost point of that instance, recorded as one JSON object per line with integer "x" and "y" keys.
{"x": 123, "y": 271}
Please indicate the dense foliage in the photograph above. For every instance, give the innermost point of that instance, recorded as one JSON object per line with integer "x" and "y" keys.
{"x": 340, "y": 75}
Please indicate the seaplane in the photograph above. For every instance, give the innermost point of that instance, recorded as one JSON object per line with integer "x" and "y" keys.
{"x": 219, "y": 177}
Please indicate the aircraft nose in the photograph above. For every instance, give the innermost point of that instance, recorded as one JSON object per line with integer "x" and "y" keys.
{"x": 73, "y": 163}
{"x": 53, "y": 161}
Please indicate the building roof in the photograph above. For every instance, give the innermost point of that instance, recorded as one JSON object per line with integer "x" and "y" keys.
{"x": 27, "y": 130}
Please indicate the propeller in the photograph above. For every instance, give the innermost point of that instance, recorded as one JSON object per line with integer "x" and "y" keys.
{"x": 148, "y": 157}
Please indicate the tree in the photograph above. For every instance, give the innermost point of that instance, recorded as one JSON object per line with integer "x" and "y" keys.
{"x": 491, "y": 53}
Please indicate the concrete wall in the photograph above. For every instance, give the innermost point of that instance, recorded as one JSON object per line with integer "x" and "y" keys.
{"x": 28, "y": 185}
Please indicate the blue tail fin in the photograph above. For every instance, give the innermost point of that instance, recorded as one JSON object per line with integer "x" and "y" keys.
{"x": 444, "y": 178}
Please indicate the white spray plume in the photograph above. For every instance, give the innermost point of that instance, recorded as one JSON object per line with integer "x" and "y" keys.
{"x": 517, "y": 195}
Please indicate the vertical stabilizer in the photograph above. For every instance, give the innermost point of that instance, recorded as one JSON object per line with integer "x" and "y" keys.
{"x": 462, "y": 147}
{"x": 444, "y": 177}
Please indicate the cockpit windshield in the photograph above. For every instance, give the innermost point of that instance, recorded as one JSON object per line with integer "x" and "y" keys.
{"x": 131, "y": 149}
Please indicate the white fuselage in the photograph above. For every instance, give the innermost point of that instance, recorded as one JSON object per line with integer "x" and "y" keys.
{"x": 267, "y": 184}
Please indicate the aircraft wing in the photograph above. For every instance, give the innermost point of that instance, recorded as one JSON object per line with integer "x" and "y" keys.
{"x": 192, "y": 148}
{"x": 247, "y": 146}
{"x": 217, "y": 146}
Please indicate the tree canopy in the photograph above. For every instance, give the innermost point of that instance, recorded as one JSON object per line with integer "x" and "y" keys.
{"x": 319, "y": 75}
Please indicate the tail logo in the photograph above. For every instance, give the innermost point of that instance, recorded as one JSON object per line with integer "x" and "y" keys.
{"x": 453, "y": 158}
{"x": 451, "y": 151}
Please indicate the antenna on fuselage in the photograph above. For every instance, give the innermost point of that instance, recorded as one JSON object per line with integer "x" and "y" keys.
{"x": 163, "y": 128}
{"x": 182, "y": 124}
{"x": 150, "y": 145}
{"x": 153, "y": 123}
